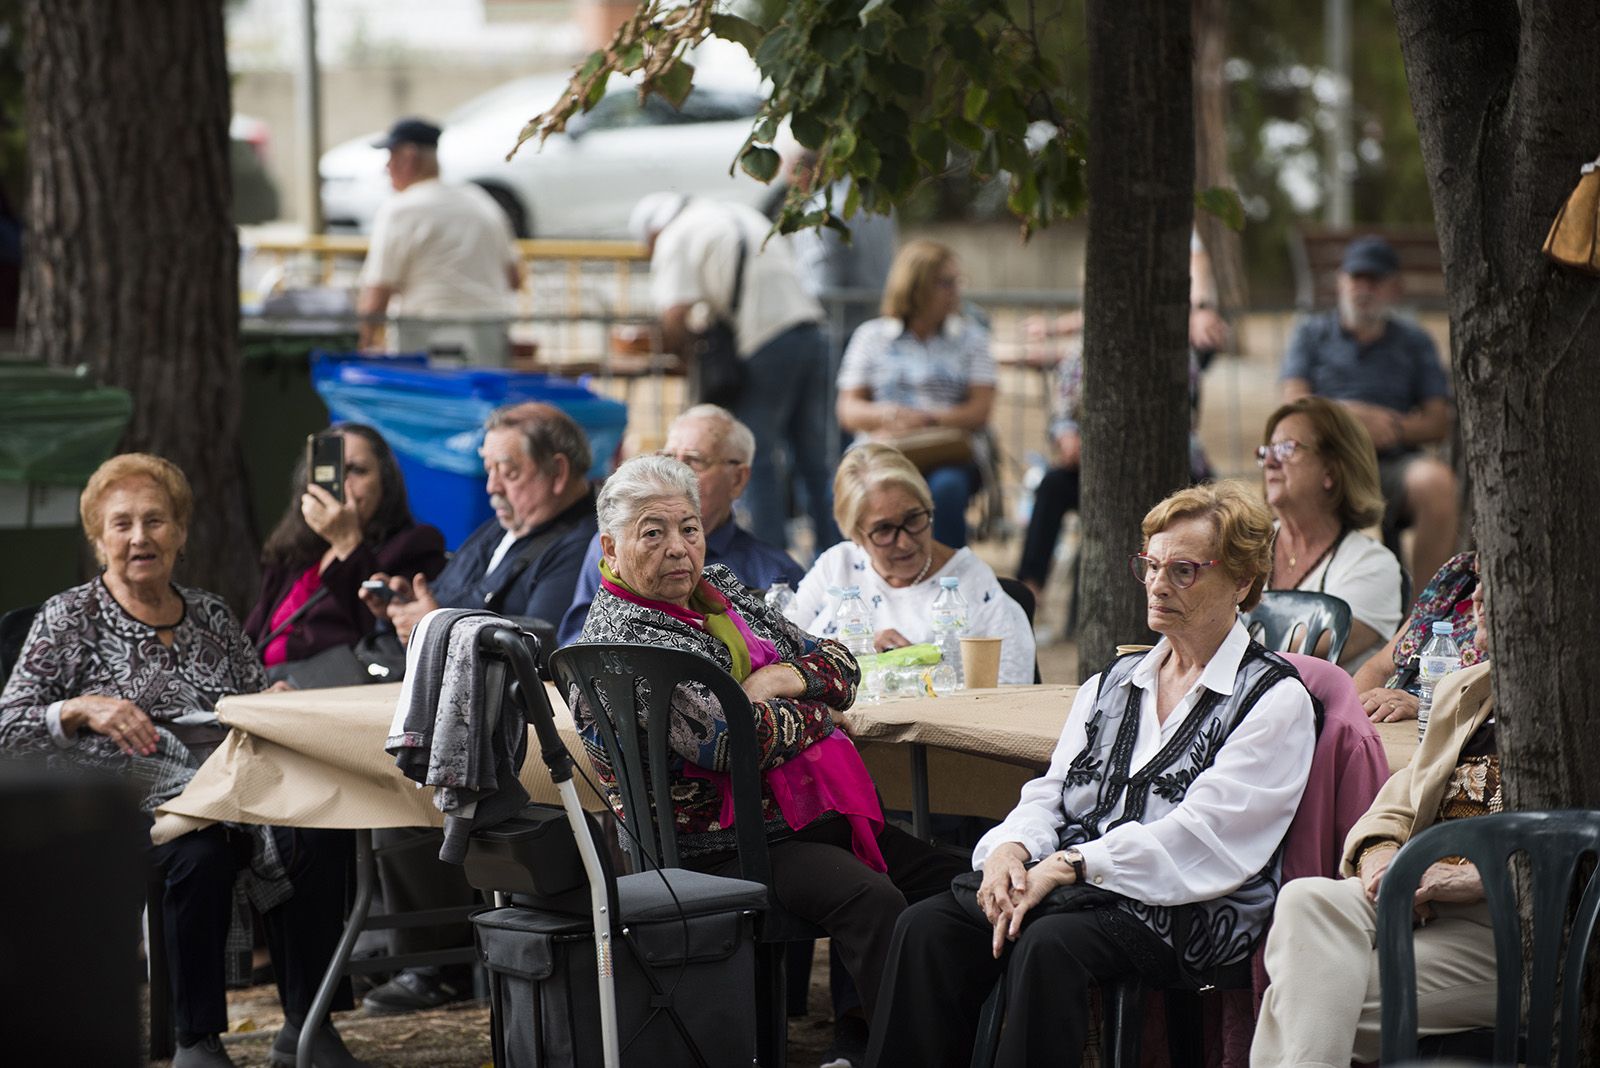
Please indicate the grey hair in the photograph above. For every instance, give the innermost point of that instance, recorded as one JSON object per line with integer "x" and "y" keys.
{"x": 546, "y": 432}
{"x": 736, "y": 437}
{"x": 639, "y": 481}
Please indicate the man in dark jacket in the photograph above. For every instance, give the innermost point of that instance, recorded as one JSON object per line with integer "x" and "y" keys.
{"x": 523, "y": 562}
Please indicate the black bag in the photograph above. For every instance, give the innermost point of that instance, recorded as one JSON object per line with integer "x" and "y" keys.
{"x": 378, "y": 657}
{"x": 719, "y": 369}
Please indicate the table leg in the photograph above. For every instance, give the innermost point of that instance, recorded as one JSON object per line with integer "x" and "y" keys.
{"x": 366, "y": 878}
{"x": 919, "y": 792}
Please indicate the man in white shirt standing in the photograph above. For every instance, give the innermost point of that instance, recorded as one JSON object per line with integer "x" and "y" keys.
{"x": 694, "y": 247}
{"x": 442, "y": 261}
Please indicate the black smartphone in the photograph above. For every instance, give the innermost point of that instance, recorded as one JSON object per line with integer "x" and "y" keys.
{"x": 378, "y": 589}
{"x": 325, "y": 462}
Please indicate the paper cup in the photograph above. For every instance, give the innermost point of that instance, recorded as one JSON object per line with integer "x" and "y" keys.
{"x": 980, "y": 662}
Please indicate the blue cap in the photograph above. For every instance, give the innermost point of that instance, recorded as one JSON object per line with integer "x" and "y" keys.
{"x": 411, "y": 131}
{"x": 1370, "y": 255}
{"x": 1444, "y": 626}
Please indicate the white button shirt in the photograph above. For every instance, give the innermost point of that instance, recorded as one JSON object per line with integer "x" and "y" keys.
{"x": 1228, "y": 824}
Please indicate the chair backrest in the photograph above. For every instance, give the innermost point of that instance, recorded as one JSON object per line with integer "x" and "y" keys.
{"x": 605, "y": 674}
{"x": 1018, "y": 591}
{"x": 13, "y": 632}
{"x": 1281, "y": 613}
{"x": 1555, "y": 843}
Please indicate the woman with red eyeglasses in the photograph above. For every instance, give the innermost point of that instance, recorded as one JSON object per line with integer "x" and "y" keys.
{"x": 1320, "y": 472}
{"x": 1149, "y": 849}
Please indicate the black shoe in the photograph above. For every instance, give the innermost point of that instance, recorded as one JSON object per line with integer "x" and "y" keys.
{"x": 206, "y": 1053}
{"x": 849, "y": 1049}
{"x": 327, "y": 1048}
{"x": 412, "y": 990}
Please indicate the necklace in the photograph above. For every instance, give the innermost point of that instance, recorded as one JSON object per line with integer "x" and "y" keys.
{"x": 924, "y": 572}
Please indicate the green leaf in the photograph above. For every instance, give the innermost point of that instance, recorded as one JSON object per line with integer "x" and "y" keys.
{"x": 972, "y": 104}
{"x": 1013, "y": 154}
{"x": 833, "y": 41}
{"x": 931, "y": 147}
{"x": 1004, "y": 112}
{"x": 591, "y": 66}
{"x": 738, "y": 30}
{"x": 1224, "y": 204}
{"x": 865, "y": 160}
{"x": 766, "y": 129}
{"x": 760, "y": 163}
{"x": 808, "y": 129}
{"x": 903, "y": 79}
{"x": 870, "y": 8}
{"x": 964, "y": 133}
{"x": 852, "y": 200}
{"x": 631, "y": 59}
{"x": 597, "y": 90}
{"x": 675, "y": 82}
{"x": 1024, "y": 196}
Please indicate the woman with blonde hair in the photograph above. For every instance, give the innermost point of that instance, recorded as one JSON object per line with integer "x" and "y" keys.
{"x": 923, "y": 366}
{"x": 885, "y": 509}
{"x": 1320, "y": 472}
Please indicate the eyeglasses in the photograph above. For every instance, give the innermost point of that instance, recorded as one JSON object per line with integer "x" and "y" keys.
{"x": 697, "y": 463}
{"x": 1280, "y": 451}
{"x": 1181, "y": 573}
{"x": 885, "y": 534}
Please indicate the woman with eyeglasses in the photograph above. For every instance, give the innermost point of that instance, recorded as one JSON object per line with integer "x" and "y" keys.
{"x": 1320, "y": 472}
{"x": 922, "y": 372}
{"x": 1149, "y": 848}
{"x": 883, "y": 505}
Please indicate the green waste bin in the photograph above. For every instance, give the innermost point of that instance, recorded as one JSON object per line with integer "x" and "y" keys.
{"x": 280, "y": 407}
{"x": 56, "y": 427}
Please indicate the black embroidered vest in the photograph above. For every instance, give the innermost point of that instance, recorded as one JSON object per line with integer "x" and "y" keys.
{"x": 1207, "y": 933}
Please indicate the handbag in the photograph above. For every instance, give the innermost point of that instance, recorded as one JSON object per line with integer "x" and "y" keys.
{"x": 720, "y": 371}
{"x": 935, "y": 447}
{"x": 1574, "y": 238}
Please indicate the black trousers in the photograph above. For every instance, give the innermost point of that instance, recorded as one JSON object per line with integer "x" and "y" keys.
{"x": 816, "y": 876}
{"x": 413, "y": 879}
{"x": 941, "y": 970}
{"x": 302, "y": 933}
{"x": 1056, "y": 496}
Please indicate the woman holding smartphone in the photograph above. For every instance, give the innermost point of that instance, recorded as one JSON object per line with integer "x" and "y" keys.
{"x": 315, "y": 559}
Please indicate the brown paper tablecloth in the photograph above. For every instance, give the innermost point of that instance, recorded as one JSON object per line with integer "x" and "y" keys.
{"x": 314, "y": 758}
{"x": 983, "y": 745}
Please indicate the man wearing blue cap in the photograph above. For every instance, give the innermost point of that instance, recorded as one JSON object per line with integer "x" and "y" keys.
{"x": 1387, "y": 372}
{"x": 442, "y": 260}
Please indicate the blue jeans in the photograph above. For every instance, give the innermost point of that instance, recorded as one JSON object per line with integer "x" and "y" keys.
{"x": 951, "y": 488}
{"x": 785, "y": 404}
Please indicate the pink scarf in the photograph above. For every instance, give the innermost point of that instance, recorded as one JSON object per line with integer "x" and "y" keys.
{"x": 826, "y": 776}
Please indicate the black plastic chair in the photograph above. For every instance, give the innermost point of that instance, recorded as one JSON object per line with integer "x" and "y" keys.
{"x": 13, "y": 632}
{"x": 1018, "y": 591}
{"x": 604, "y": 674}
{"x": 1281, "y": 613}
{"x": 1556, "y": 844}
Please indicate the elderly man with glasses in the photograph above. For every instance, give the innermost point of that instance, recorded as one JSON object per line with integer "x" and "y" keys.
{"x": 719, "y": 449}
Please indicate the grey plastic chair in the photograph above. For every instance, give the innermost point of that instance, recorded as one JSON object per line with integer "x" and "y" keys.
{"x": 1555, "y": 844}
{"x": 1281, "y": 613}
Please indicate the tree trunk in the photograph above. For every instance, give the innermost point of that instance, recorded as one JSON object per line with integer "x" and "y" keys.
{"x": 1507, "y": 99}
{"x": 1211, "y": 151}
{"x": 1136, "y": 300}
{"x": 132, "y": 261}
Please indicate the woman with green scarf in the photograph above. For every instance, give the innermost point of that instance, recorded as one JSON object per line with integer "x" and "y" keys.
{"x": 834, "y": 861}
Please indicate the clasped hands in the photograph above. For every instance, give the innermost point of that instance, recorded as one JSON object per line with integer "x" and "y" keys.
{"x": 1010, "y": 888}
{"x": 1442, "y": 882}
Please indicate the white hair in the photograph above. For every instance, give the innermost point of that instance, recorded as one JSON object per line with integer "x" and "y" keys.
{"x": 639, "y": 481}
{"x": 736, "y": 437}
{"x": 652, "y": 214}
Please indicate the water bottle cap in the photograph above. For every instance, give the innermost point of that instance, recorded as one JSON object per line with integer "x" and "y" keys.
{"x": 850, "y": 591}
{"x": 950, "y": 582}
{"x": 778, "y": 586}
{"x": 1445, "y": 627}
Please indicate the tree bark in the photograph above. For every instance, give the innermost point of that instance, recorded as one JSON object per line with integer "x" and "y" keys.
{"x": 1211, "y": 151}
{"x": 1508, "y": 108}
{"x": 1136, "y": 300}
{"x": 132, "y": 258}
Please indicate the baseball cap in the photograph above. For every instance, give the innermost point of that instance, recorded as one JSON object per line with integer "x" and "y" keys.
{"x": 410, "y": 131}
{"x": 1370, "y": 255}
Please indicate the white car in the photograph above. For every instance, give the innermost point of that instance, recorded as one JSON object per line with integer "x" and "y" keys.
{"x": 581, "y": 183}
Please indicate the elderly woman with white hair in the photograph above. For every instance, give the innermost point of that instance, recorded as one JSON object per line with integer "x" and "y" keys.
{"x": 834, "y": 860}
{"x": 883, "y": 505}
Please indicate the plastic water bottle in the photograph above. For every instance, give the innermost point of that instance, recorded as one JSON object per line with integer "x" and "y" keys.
{"x": 949, "y": 624}
{"x": 780, "y": 597}
{"x": 1438, "y": 658}
{"x": 853, "y": 621}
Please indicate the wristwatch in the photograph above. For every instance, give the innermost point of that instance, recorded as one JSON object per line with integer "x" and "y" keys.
{"x": 1075, "y": 858}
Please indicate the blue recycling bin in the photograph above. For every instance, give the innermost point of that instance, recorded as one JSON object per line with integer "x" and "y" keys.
{"x": 433, "y": 419}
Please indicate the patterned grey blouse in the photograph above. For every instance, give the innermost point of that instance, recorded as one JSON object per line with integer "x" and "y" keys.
{"x": 84, "y": 642}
